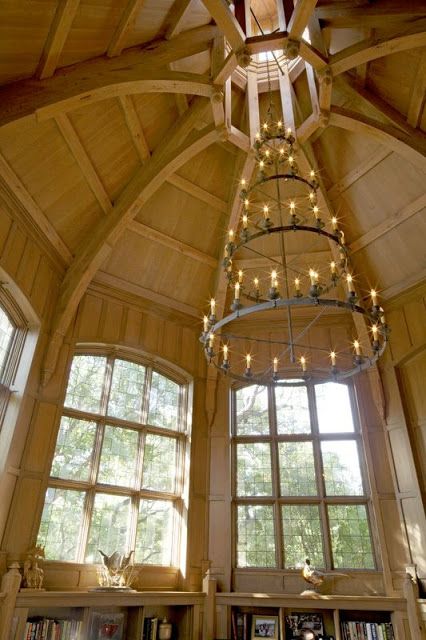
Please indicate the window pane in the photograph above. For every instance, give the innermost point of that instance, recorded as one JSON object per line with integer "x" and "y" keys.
{"x": 255, "y": 536}
{"x": 292, "y": 410}
{"x": 6, "y": 333}
{"x": 74, "y": 449}
{"x": 342, "y": 473}
{"x": 302, "y": 535}
{"x": 297, "y": 470}
{"x": 119, "y": 456}
{"x": 333, "y": 408}
{"x": 154, "y": 534}
{"x": 61, "y": 523}
{"x": 254, "y": 474}
{"x": 127, "y": 386}
{"x": 252, "y": 411}
{"x": 84, "y": 389}
{"x": 159, "y": 463}
{"x": 109, "y": 527}
{"x": 163, "y": 402}
{"x": 350, "y": 537}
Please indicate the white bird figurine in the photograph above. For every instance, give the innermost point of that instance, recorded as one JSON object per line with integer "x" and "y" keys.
{"x": 315, "y": 577}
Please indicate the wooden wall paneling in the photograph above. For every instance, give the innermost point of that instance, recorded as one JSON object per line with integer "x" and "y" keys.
{"x": 44, "y": 286}
{"x": 22, "y": 516}
{"x": 5, "y": 227}
{"x": 111, "y": 321}
{"x": 28, "y": 267}
{"x": 14, "y": 250}
{"x": 89, "y": 316}
{"x": 40, "y": 438}
{"x": 133, "y": 327}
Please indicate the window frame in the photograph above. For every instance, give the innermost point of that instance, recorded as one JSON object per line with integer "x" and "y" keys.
{"x": 321, "y": 498}
{"x": 136, "y": 493}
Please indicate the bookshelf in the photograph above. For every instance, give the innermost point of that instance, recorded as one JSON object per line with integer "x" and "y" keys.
{"x": 326, "y": 615}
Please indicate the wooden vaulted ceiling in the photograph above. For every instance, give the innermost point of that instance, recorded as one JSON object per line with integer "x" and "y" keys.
{"x": 125, "y": 127}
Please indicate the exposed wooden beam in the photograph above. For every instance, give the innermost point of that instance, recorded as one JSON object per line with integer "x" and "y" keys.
{"x": 348, "y": 14}
{"x": 135, "y": 128}
{"x": 377, "y": 47}
{"x": 311, "y": 55}
{"x": 353, "y": 88}
{"x": 310, "y": 75}
{"x": 364, "y": 167}
{"x": 300, "y": 17}
{"x": 197, "y": 192}
{"x": 127, "y": 20}
{"x": 390, "y": 223}
{"x": 225, "y": 70}
{"x": 267, "y": 42}
{"x": 252, "y": 105}
{"x": 81, "y": 157}
{"x": 413, "y": 149}
{"x": 418, "y": 91}
{"x": 115, "y": 282}
{"x": 35, "y": 215}
{"x": 98, "y": 245}
{"x": 239, "y": 139}
{"x": 135, "y": 71}
{"x": 307, "y": 128}
{"x": 58, "y": 33}
{"x": 175, "y": 17}
{"x": 287, "y": 100}
{"x": 226, "y": 21}
{"x": 314, "y": 257}
{"x": 401, "y": 287}
{"x": 172, "y": 243}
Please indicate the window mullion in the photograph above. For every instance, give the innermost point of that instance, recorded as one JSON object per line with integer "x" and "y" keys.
{"x": 87, "y": 518}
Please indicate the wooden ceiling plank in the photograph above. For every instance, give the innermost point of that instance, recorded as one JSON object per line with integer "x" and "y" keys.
{"x": 409, "y": 147}
{"x": 377, "y": 47}
{"x": 197, "y": 192}
{"x": 172, "y": 243}
{"x": 81, "y": 157}
{"x": 300, "y": 17}
{"x": 127, "y": 20}
{"x": 263, "y": 263}
{"x": 390, "y": 223}
{"x": 175, "y": 17}
{"x": 350, "y": 14}
{"x": 38, "y": 218}
{"x": 58, "y": 33}
{"x": 142, "y": 292}
{"x": 417, "y": 98}
{"x": 97, "y": 79}
{"x": 227, "y": 23}
{"x": 135, "y": 128}
{"x": 97, "y": 246}
{"x": 363, "y": 168}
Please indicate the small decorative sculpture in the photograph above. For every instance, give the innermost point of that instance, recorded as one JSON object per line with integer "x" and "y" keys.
{"x": 116, "y": 571}
{"x": 316, "y": 578}
{"x": 33, "y": 574}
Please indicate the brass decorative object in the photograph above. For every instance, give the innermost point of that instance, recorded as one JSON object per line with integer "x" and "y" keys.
{"x": 33, "y": 573}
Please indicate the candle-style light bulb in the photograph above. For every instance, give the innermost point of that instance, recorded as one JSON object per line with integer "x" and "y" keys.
{"x": 261, "y": 164}
{"x": 313, "y": 276}
{"x": 257, "y": 136}
{"x": 279, "y": 124}
{"x": 205, "y": 324}
{"x": 245, "y": 221}
{"x": 243, "y": 182}
{"x": 312, "y": 173}
{"x": 357, "y": 347}
{"x": 312, "y": 196}
{"x": 333, "y": 358}
{"x": 373, "y": 295}
{"x": 265, "y": 126}
{"x": 350, "y": 283}
{"x": 334, "y": 223}
{"x": 211, "y": 340}
{"x": 297, "y": 285}
{"x": 246, "y": 203}
{"x": 256, "y": 284}
{"x": 303, "y": 363}
{"x": 212, "y": 306}
{"x": 342, "y": 237}
{"x": 225, "y": 353}
{"x": 273, "y": 278}
{"x": 267, "y": 153}
{"x": 290, "y": 159}
{"x": 289, "y": 131}
{"x": 265, "y": 211}
{"x": 333, "y": 267}
{"x": 231, "y": 235}
{"x": 275, "y": 361}
{"x": 375, "y": 332}
{"x": 281, "y": 151}
{"x": 248, "y": 361}
{"x": 292, "y": 207}
{"x": 240, "y": 276}
{"x": 237, "y": 291}
{"x": 316, "y": 211}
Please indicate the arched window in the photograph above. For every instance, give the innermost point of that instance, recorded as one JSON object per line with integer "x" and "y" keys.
{"x": 117, "y": 475}
{"x": 299, "y": 482}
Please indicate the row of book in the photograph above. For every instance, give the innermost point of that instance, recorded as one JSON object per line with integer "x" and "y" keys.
{"x": 367, "y": 631}
{"x": 49, "y": 629}
{"x": 150, "y": 628}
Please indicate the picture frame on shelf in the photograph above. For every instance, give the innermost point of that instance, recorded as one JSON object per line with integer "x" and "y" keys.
{"x": 106, "y": 625}
{"x": 264, "y": 626}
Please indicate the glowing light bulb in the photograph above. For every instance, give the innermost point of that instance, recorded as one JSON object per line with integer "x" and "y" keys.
{"x": 245, "y": 221}
{"x": 256, "y": 284}
{"x": 273, "y": 278}
{"x": 267, "y": 153}
{"x": 225, "y": 353}
{"x": 279, "y": 124}
{"x": 246, "y": 203}
{"x": 211, "y": 340}
{"x": 375, "y": 332}
{"x": 231, "y": 235}
{"x": 333, "y": 358}
{"x": 312, "y": 196}
{"x": 313, "y": 276}
{"x": 266, "y": 211}
{"x": 212, "y": 306}
{"x": 333, "y": 267}
{"x": 334, "y": 223}
{"x": 248, "y": 361}
{"x": 297, "y": 285}
{"x": 275, "y": 361}
{"x": 237, "y": 291}
{"x": 243, "y": 182}
{"x": 205, "y": 324}
{"x": 281, "y": 151}
{"x": 265, "y": 126}
{"x": 289, "y": 131}
{"x": 257, "y": 136}
{"x": 261, "y": 164}
{"x": 316, "y": 211}
{"x": 312, "y": 173}
{"x": 303, "y": 363}
{"x": 350, "y": 283}
{"x": 292, "y": 207}
{"x": 290, "y": 159}
{"x": 373, "y": 295}
{"x": 240, "y": 276}
{"x": 357, "y": 347}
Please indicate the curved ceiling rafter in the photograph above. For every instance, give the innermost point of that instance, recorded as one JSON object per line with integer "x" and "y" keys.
{"x": 98, "y": 246}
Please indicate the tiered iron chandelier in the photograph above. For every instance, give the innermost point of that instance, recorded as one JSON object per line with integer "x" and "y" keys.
{"x": 279, "y": 204}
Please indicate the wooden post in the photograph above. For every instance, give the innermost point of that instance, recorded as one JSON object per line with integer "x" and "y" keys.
{"x": 10, "y": 586}
{"x": 209, "y": 587}
{"x": 411, "y": 593}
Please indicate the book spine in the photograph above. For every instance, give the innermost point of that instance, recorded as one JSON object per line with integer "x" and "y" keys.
{"x": 374, "y": 631}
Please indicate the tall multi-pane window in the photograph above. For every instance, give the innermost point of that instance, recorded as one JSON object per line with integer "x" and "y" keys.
{"x": 299, "y": 484}
{"x": 116, "y": 481}
{"x": 13, "y": 331}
